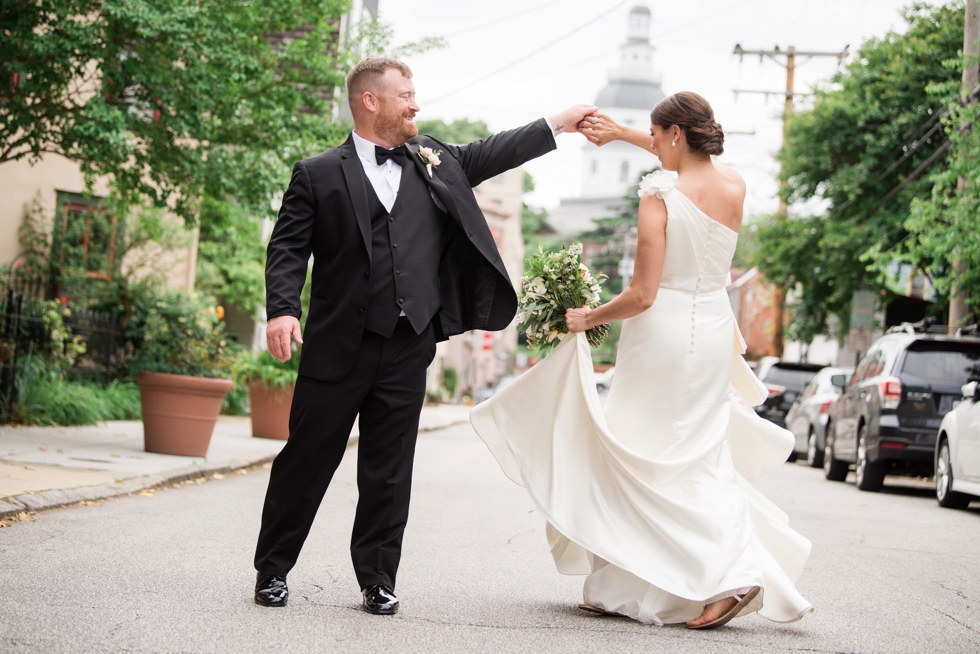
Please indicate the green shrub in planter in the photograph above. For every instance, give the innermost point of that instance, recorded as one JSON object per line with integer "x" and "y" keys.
{"x": 268, "y": 370}
{"x": 180, "y": 334}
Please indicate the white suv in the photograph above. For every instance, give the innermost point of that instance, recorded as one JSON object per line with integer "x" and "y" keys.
{"x": 958, "y": 452}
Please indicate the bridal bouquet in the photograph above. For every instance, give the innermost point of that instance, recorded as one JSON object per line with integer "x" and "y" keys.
{"x": 552, "y": 283}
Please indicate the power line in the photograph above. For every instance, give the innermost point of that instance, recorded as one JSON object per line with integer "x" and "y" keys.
{"x": 911, "y": 149}
{"x": 595, "y": 56}
{"x": 480, "y": 26}
{"x": 703, "y": 19}
{"x": 564, "y": 36}
{"x": 908, "y": 180}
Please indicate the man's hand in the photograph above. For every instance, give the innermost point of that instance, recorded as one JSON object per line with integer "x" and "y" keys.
{"x": 277, "y": 336}
{"x": 568, "y": 120}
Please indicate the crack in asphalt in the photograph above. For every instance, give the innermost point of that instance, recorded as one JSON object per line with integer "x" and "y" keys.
{"x": 902, "y": 591}
{"x": 955, "y": 590}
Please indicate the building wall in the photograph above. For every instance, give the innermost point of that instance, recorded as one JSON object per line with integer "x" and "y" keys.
{"x": 21, "y": 183}
{"x": 753, "y": 302}
{"x": 609, "y": 171}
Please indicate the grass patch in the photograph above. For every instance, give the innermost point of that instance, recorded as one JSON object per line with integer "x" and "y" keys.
{"x": 43, "y": 398}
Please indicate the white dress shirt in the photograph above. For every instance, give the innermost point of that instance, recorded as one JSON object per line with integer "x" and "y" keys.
{"x": 385, "y": 179}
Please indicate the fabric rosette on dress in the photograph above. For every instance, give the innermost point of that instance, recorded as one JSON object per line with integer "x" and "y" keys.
{"x": 652, "y": 495}
{"x": 657, "y": 183}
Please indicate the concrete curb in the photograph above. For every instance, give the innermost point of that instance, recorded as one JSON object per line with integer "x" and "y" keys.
{"x": 53, "y": 499}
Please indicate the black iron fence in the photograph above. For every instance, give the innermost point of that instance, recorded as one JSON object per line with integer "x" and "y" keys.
{"x": 25, "y": 337}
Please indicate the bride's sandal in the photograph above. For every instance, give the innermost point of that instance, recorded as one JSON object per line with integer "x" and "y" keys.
{"x": 595, "y": 609}
{"x": 724, "y": 618}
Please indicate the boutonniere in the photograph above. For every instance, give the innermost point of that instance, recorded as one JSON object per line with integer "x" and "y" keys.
{"x": 430, "y": 159}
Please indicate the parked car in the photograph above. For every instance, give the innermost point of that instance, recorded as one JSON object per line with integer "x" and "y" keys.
{"x": 807, "y": 418}
{"x": 784, "y": 381}
{"x": 484, "y": 394}
{"x": 604, "y": 380}
{"x": 887, "y": 419}
{"x": 958, "y": 450}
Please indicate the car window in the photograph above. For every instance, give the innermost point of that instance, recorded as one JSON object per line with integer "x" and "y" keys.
{"x": 811, "y": 388}
{"x": 789, "y": 377}
{"x": 889, "y": 351}
{"x": 876, "y": 365}
{"x": 942, "y": 361}
{"x": 861, "y": 372}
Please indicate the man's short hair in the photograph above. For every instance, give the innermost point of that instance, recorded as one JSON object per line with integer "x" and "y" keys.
{"x": 366, "y": 76}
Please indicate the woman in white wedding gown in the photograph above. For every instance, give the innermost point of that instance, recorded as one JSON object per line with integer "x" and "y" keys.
{"x": 651, "y": 496}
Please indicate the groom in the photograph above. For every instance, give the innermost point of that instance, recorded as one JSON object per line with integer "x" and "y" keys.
{"x": 403, "y": 258}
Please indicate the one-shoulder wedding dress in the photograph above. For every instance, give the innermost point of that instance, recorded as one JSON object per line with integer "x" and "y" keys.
{"x": 651, "y": 496}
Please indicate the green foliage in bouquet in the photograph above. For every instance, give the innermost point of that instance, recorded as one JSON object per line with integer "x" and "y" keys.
{"x": 180, "y": 334}
{"x": 267, "y": 369}
{"x": 554, "y": 282}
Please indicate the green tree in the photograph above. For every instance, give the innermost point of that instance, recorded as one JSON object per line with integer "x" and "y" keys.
{"x": 612, "y": 230}
{"x": 166, "y": 97}
{"x": 231, "y": 255}
{"x": 946, "y": 225}
{"x": 850, "y": 149}
{"x": 458, "y": 132}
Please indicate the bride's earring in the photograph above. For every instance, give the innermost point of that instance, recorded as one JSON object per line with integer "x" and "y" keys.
{"x": 673, "y": 143}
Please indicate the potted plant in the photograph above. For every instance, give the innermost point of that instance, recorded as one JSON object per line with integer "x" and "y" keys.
{"x": 270, "y": 392}
{"x": 181, "y": 368}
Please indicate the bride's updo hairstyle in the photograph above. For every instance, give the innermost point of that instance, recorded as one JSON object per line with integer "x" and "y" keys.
{"x": 694, "y": 115}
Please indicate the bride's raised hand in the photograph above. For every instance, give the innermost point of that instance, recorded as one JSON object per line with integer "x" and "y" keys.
{"x": 577, "y": 319}
{"x": 603, "y": 130}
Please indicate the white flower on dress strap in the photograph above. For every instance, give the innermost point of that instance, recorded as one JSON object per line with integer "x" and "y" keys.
{"x": 657, "y": 183}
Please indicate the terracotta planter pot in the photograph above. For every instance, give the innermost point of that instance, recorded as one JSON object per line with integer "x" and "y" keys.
{"x": 270, "y": 410}
{"x": 179, "y": 411}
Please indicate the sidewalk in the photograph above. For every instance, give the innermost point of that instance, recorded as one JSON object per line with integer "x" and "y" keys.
{"x": 47, "y": 467}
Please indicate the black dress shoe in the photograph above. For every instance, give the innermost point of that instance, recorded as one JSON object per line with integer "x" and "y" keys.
{"x": 271, "y": 590}
{"x": 380, "y": 600}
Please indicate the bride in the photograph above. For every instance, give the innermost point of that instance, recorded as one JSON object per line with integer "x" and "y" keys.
{"x": 651, "y": 496}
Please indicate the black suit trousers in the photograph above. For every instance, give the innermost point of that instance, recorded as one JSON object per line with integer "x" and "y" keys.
{"x": 387, "y": 388}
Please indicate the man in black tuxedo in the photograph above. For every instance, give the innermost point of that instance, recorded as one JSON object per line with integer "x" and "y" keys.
{"x": 403, "y": 258}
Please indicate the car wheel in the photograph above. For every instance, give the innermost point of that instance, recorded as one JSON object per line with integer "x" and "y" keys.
{"x": 814, "y": 455}
{"x": 870, "y": 476}
{"x": 948, "y": 498}
{"x": 833, "y": 470}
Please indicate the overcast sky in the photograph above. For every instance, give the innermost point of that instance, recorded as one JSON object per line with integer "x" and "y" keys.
{"x": 694, "y": 41}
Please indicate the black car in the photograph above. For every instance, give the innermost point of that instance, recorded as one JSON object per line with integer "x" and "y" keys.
{"x": 886, "y": 420}
{"x": 784, "y": 381}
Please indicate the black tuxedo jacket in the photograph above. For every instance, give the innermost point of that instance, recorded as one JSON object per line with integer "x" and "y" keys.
{"x": 325, "y": 213}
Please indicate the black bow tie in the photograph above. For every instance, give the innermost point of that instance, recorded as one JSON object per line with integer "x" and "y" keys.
{"x": 398, "y": 155}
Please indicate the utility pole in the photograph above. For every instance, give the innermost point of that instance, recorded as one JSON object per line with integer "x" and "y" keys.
{"x": 787, "y": 59}
{"x": 971, "y": 51}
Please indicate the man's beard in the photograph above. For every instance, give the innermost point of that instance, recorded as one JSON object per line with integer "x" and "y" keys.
{"x": 393, "y": 128}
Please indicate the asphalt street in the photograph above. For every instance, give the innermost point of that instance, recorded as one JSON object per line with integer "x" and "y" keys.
{"x": 171, "y": 572}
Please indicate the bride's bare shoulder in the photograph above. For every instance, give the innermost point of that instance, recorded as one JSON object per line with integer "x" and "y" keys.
{"x": 734, "y": 184}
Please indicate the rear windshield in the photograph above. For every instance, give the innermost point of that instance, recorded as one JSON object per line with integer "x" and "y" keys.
{"x": 788, "y": 377}
{"x": 953, "y": 363}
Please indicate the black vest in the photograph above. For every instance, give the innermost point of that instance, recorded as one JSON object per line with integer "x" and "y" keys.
{"x": 406, "y": 249}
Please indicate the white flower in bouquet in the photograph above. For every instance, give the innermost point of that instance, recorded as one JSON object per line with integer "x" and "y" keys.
{"x": 555, "y": 282}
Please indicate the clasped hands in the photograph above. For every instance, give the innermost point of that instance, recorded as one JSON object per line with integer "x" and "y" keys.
{"x": 587, "y": 121}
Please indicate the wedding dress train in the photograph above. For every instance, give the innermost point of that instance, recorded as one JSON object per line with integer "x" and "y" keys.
{"x": 651, "y": 496}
